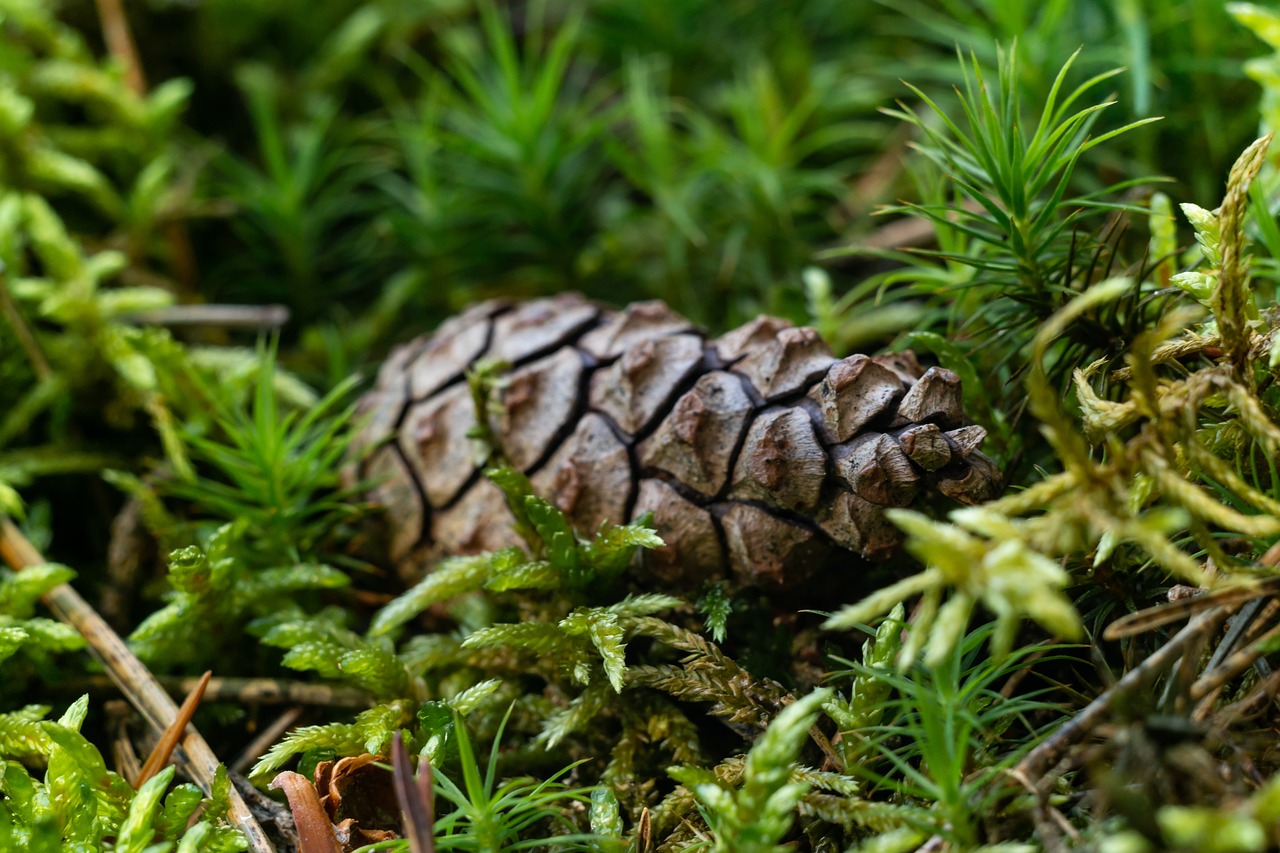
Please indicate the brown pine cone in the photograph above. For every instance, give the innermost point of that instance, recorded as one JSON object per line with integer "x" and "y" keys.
{"x": 758, "y": 452}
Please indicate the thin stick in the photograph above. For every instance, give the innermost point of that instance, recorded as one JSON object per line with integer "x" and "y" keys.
{"x": 247, "y": 691}
{"x": 265, "y": 739}
{"x": 1034, "y": 764}
{"x": 1234, "y": 665}
{"x": 119, "y": 39}
{"x": 1163, "y": 614}
{"x": 1261, "y": 694}
{"x": 115, "y": 31}
{"x": 126, "y": 760}
{"x": 26, "y": 338}
{"x": 1183, "y": 673}
{"x": 132, "y": 676}
{"x": 828, "y": 750}
{"x": 226, "y": 316}
{"x": 164, "y": 747}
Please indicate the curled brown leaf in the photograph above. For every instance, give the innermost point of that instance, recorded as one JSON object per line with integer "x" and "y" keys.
{"x": 315, "y": 832}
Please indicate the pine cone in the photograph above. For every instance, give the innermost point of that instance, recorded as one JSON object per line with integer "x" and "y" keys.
{"x": 757, "y": 452}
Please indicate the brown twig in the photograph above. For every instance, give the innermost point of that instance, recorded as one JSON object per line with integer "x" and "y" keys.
{"x": 1183, "y": 673}
{"x": 26, "y": 338}
{"x": 824, "y": 744}
{"x": 132, "y": 677}
{"x": 1239, "y": 629}
{"x": 115, "y": 31}
{"x": 249, "y": 691}
{"x": 168, "y": 742}
{"x": 121, "y": 46}
{"x": 1051, "y": 824}
{"x": 122, "y": 753}
{"x": 1234, "y": 665}
{"x": 1257, "y": 624}
{"x": 415, "y": 797}
{"x": 1162, "y": 614}
{"x": 1262, "y": 694}
{"x": 226, "y": 316}
{"x": 265, "y": 739}
{"x": 1036, "y": 762}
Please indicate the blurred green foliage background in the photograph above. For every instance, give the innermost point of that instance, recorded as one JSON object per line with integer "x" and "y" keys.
{"x": 377, "y": 165}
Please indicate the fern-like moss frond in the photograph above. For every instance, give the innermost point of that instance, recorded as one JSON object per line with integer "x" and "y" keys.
{"x": 371, "y": 732}
{"x": 450, "y": 579}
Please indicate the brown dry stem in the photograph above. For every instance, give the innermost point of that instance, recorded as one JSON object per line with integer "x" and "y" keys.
{"x": 266, "y": 739}
{"x": 415, "y": 796}
{"x": 251, "y": 691}
{"x": 119, "y": 39}
{"x": 159, "y": 757}
{"x": 22, "y": 330}
{"x": 1251, "y": 629}
{"x": 132, "y": 677}
{"x": 1036, "y": 763}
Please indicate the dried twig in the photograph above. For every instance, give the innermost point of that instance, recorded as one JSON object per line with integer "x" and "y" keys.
{"x": 265, "y": 739}
{"x": 123, "y": 755}
{"x": 164, "y": 747}
{"x": 1176, "y": 695}
{"x": 1262, "y": 694}
{"x": 1240, "y": 627}
{"x": 1038, "y": 761}
{"x": 26, "y": 338}
{"x": 131, "y": 675}
{"x": 119, "y": 39}
{"x": 226, "y": 316}
{"x": 1051, "y": 824}
{"x": 1163, "y": 614}
{"x": 115, "y": 31}
{"x": 249, "y": 691}
{"x": 1234, "y": 665}
{"x": 415, "y": 797}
